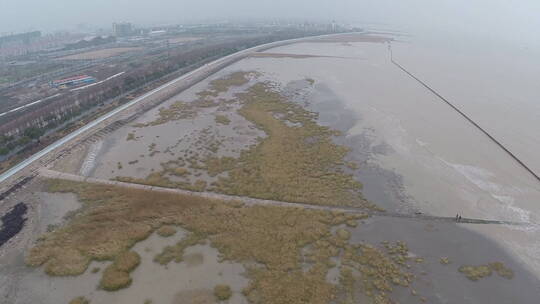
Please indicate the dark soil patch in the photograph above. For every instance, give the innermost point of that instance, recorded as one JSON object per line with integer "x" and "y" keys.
{"x": 12, "y": 222}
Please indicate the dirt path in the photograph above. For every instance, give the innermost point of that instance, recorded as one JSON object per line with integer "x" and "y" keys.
{"x": 254, "y": 201}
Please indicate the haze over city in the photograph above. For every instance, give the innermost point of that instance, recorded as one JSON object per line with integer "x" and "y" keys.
{"x": 498, "y": 18}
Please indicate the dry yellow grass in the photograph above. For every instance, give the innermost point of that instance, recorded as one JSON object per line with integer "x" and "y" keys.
{"x": 223, "y": 84}
{"x": 79, "y": 300}
{"x": 298, "y": 163}
{"x": 166, "y": 231}
{"x": 184, "y": 110}
{"x": 176, "y": 252}
{"x": 502, "y": 270}
{"x": 222, "y": 292}
{"x": 270, "y": 239}
{"x": 445, "y": 261}
{"x": 475, "y": 273}
{"x": 222, "y": 119}
{"x": 178, "y": 110}
{"x": 116, "y": 276}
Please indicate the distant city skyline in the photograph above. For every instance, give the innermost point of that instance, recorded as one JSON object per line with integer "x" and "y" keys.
{"x": 508, "y": 19}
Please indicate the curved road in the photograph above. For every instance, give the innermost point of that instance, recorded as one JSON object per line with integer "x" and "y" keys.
{"x": 206, "y": 68}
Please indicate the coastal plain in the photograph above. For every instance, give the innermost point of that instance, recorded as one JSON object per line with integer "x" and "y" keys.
{"x": 316, "y": 172}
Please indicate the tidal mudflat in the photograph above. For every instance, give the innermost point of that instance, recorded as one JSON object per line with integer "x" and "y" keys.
{"x": 417, "y": 154}
{"x": 329, "y": 123}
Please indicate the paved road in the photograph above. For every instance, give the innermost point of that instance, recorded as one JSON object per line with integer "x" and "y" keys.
{"x": 210, "y": 67}
{"x": 28, "y": 105}
{"x": 253, "y": 201}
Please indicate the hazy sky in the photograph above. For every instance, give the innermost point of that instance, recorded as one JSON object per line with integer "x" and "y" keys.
{"x": 505, "y": 17}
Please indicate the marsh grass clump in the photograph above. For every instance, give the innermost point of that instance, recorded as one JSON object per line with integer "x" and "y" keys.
{"x": 223, "y": 84}
{"x": 177, "y": 110}
{"x": 79, "y": 300}
{"x": 215, "y": 165}
{"x": 116, "y": 276}
{"x": 269, "y": 240}
{"x": 222, "y": 119}
{"x": 166, "y": 231}
{"x": 185, "y": 110}
{"x": 475, "y": 273}
{"x": 377, "y": 273}
{"x": 352, "y": 223}
{"x": 352, "y": 165}
{"x": 502, "y": 270}
{"x": 180, "y": 171}
{"x": 343, "y": 234}
{"x": 222, "y": 292}
{"x": 298, "y": 163}
{"x": 176, "y": 252}
{"x": 127, "y": 261}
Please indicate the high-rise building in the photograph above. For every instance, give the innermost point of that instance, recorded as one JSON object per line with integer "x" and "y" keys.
{"x": 122, "y": 29}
